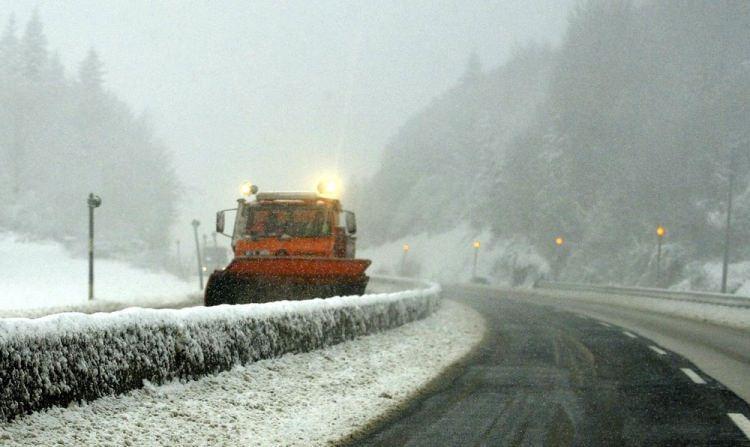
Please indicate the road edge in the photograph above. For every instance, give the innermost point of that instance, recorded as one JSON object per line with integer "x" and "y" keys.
{"x": 440, "y": 381}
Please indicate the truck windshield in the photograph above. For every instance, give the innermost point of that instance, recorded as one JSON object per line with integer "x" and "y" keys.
{"x": 294, "y": 221}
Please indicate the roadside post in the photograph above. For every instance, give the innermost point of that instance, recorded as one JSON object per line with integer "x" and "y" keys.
{"x": 93, "y": 201}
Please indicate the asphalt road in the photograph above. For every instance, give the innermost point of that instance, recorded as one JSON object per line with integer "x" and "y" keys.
{"x": 547, "y": 376}
{"x": 722, "y": 352}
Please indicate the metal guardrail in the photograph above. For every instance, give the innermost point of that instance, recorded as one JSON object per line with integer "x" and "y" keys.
{"x": 390, "y": 284}
{"x": 719, "y": 299}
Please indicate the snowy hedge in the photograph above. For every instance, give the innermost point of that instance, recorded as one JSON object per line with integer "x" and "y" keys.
{"x": 70, "y": 357}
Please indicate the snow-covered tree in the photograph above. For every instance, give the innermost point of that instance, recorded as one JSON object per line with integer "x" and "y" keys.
{"x": 62, "y": 138}
{"x": 34, "y": 48}
{"x": 634, "y": 121}
{"x": 91, "y": 71}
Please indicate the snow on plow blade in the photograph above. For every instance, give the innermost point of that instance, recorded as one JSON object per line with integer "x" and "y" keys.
{"x": 264, "y": 279}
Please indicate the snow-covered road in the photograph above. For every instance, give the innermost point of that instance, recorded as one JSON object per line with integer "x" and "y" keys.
{"x": 302, "y": 399}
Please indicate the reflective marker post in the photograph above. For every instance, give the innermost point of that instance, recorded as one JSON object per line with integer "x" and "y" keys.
{"x": 94, "y": 201}
{"x": 195, "y": 223}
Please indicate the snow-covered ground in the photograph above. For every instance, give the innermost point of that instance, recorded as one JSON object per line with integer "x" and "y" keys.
{"x": 448, "y": 257}
{"x": 708, "y": 277}
{"x": 301, "y": 399}
{"x": 42, "y": 275}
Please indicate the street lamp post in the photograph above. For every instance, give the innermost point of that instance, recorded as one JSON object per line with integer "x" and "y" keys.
{"x": 403, "y": 259}
{"x": 660, "y": 232}
{"x": 195, "y": 223}
{"x": 728, "y": 234}
{"x": 476, "y": 246}
{"x": 559, "y": 241}
{"x": 93, "y": 201}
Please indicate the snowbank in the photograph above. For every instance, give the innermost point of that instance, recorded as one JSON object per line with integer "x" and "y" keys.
{"x": 296, "y": 400}
{"x": 721, "y": 315}
{"x": 95, "y": 306}
{"x": 61, "y": 358}
{"x": 376, "y": 285}
{"x": 42, "y": 274}
{"x": 707, "y": 277}
{"x": 448, "y": 257}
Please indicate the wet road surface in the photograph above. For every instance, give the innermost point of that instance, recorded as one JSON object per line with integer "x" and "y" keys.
{"x": 546, "y": 376}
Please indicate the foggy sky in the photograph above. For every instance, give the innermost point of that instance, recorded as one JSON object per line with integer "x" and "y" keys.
{"x": 280, "y": 92}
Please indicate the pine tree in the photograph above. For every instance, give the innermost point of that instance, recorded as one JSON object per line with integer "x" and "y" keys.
{"x": 8, "y": 72}
{"x": 9, "y": 51}
{"x": 55, "y": 73}
{"x": 34, "y": 49}
{"x": 91, "y": 72}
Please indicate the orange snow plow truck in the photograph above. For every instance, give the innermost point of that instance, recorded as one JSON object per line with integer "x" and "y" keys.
{"x": 288, "y": 246}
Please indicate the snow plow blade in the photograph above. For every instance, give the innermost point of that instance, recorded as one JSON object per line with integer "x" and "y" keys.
{"x": 265, "y": 279}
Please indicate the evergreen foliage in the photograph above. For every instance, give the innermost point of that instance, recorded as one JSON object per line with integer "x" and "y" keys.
{"x": 63, "y": 137}
{"x": 636, "y": 120}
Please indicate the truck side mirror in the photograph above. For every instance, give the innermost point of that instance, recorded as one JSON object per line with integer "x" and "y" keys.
{"x": 351, "y": 222}
{"x": 220, "y": 222}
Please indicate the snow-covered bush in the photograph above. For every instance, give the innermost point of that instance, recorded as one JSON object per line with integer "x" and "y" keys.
{"x": 70, "y": 357}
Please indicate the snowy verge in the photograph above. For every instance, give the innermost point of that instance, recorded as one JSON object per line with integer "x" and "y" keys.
{"x": 62, "y": 358}
{"x": 721, "y": 315}
{"x": 42, "y": 274}
{"x": 377, "y": 285}
{"x": 314, "y": 398}
{"x": 95, "y": 306}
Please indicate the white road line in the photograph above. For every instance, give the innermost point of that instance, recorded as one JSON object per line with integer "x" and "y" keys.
{"x": 605, "y": 324}
{"x": 630, "y": 334}
{"x": 742, "y": 422}
{"x": 693, "y": 376}
{"x": 658, "y": 350}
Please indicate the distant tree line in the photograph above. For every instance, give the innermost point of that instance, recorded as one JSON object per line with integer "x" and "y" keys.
{"x": 62, "y": 137}
{"x": 637, "y": 119}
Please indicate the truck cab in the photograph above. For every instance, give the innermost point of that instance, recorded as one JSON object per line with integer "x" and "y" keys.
{"x": 293, "y": 224}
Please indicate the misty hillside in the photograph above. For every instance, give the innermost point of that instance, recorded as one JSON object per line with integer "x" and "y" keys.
{"x": 638, "y": 119}
{"x": 450, "y": 151}
{"x": 62, "y": 137}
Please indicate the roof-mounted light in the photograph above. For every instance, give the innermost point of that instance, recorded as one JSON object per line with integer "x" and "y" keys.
{"x": 329, "y": 187}
{"x": 247, "y": 189}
